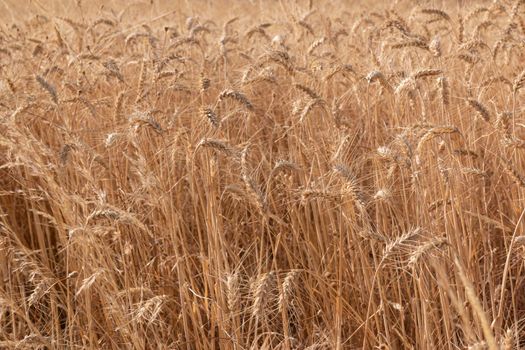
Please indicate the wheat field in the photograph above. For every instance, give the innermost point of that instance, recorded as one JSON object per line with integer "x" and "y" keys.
{"x": 287, "y": 174}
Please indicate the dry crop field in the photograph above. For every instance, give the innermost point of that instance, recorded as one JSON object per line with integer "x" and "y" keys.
{"x": 272, "y": 174}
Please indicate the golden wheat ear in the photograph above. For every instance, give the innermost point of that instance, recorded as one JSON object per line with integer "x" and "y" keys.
{"x": 274, "y": 175}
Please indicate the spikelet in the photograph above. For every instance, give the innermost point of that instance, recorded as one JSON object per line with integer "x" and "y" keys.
{"x": 413, "y": 43}
{"x": 461, "y": 30}
{"x": 262, "y": 290}
{"x": 481, "y": 110}
{"x": 512, "y": 142}
{"x": 335, "y": 36}
{"x": 110, "y": 139}
{"x": 267, "y": 75}
{"x": 422, "y": 73}
{"x": 386, "y": 153}
{"x": 198, "y": 29}
{"x": 503, "y": 122}
{"x": 287, "y": 289}
{"x": 99, "y": 21}
{"x": 167, "y": 74}
{"x": 435, "y": 46}
{"x": 133, "y": 37}
{"x": 512, "y": 172}
{"x": 89, "y": 281}
{"x": 383, "y": 194}
{"x": 237, "y": 96}
{"x": 310, "y": 194}
{"x": 353, "y": 187}
{"x": 444, "y": 90}
{"x": 260, "y": 30}
{"x": 228, "y": 23}
{"x": 315, "y": 45}
{"x": 204, "y": 83}
{"x": 75, "y": 25}
{"x": 88, "y": 105}
{"x": 466, "y": 153}
{"x": 10, "y": 85}
{"x": 474, "y": 44}
{"x": 281, "y": 58}
{"x": 393, "y": 245}
{"x": 508, "y": 340}
{"x": 425, "y": 248}
{"x": 219, "y": 145}
{"x": 498, "y": 79}
{"x": 64, "y": 153}
{"x": 339, "y": 69}
{"x": 436, "y": 12}
{"x": 435, "y": 131}
{"x": 17, "y": 112}
{"x": 152, "y": 123}
{"x": 235, "y": 192}
{"x": 113, "y": 69}
{"x": 210, "y": 115}
{"x": 283, "y": 165}
{"x": 407, "y": 84}
{"x": 444, "y": 129}
{"x": 402, "y": 27}
{"x": 251, "y": 187}
{"x": 183, "y": 41}
{"x": 141, "y": 82}
{"x": 443, "y": 170}
{"x": 378, "y": 76}
{"x": 118, "y": 106}
{"x": 306, "y": 26}
{"x": 88, "y": 56}
{"x": 309, "y": 107}
{"x": 470, "y": 59}
{"x": 436, "y": 204}
{"x": 48, "y": 87}
{"x": 475, "y": 12}
{"x": 307, "y": 91}
{"x": 519, "y": 82}
{"x": 233, "y": 293}
{"x": 482, "y": 26}
{"x": 60, "y": 41}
